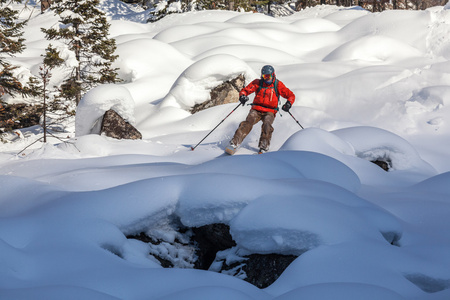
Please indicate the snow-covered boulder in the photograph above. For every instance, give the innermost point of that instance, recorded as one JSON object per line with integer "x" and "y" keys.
{"x": 196, "y": 82}
{"x": 99, "y": 100}
{"x": 227, "y": 92}
{"x": 372, "y": 143}
{"x": 300, "y": 223}
{"x": 357, "y": 147}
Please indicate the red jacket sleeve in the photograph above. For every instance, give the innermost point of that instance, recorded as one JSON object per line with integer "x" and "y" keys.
{"x": 285, "y": 92}
{"x": 250, "y": 88}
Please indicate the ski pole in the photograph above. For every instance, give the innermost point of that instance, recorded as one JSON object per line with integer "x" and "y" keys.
{"x": 193, "y": 148}
{"x": 295, "y": 120}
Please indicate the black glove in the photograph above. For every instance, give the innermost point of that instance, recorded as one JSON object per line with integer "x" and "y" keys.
{"x": 243, "y": 99}
{"x": 287, "y": 106}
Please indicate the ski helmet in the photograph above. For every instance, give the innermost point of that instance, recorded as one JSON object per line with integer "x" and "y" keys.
{"x": 267, "y": 70}
{"x": 267, "y": 74}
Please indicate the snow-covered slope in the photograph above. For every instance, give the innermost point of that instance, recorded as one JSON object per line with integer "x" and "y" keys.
{"x": 368, "y": 86}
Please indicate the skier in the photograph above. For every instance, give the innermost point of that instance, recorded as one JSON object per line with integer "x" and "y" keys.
{"x": 264, "y": 108}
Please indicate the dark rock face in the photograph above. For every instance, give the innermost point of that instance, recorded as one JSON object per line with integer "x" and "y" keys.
{"x": 227, "y": 92}
{"x": 171, "y": 253}
{"x": 208, "y": 244}
{"x": 113, "y": 125}
{"x": 211, "y": 239}
{"x": 385, "y": 164}
{"x": 261, "y": 270}
{"x": 264, "y": 269}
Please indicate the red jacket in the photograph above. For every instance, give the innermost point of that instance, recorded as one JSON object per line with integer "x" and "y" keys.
{"x": 266, "y": 99}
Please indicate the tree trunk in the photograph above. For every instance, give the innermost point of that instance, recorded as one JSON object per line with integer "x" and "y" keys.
{"x": 44, "y": 122}
{"x": 78, "y": 68}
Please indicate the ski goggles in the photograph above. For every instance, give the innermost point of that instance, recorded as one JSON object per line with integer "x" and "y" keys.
{"x": 267, "y": 77}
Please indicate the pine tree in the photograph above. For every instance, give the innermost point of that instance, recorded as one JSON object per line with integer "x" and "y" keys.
{"x": 11, "y": 42}
{"x": 55, "y": 111}
{"x": 84, "y": 30}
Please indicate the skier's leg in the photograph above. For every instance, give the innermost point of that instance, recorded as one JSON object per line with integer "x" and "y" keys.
{"x": 266, "y": 130}
{"x": 245, "y": 127}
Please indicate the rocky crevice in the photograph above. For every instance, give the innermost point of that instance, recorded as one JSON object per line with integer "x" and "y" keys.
{"x": 384, "y": 163}
{"x": 209, "y": 248}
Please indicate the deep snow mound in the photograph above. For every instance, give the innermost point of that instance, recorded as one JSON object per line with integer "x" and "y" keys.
{"x": 372, "y": 143}
{"x": 363, "y": 142}
{"x": 376, "y": 49}
{"x": 195, "y": 83}
{"x": 97, "y": 101}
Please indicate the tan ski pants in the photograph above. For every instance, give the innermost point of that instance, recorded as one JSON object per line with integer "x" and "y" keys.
{"x": 246, "y": 126}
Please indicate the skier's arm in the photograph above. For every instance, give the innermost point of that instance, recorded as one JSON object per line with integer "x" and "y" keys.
{"x": 251, "y": 88}
{"x": 286, "y": 93}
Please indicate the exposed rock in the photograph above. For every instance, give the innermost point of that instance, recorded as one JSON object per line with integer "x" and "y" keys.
{"x": 263, "y": 269}
{"x": 211, "y": 239}
{"x": 171, "y": 252}
{"x": 227, "y": 92}
{"x": 384, "y": 164}
{"x": 210, "y": 247}
{"x": 113, "y": 125}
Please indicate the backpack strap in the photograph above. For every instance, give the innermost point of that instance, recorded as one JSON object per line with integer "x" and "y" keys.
{"x": 275, "y": 87}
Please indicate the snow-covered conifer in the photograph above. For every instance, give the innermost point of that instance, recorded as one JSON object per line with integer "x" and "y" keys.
{"x": 83, "y": 28}
{"x": 12, "y": 42}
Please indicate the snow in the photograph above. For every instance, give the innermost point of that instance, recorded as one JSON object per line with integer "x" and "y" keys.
{"x": 194, "y": 85}
{"x": 93, "y": 106}
{"x": 368, "y": 86}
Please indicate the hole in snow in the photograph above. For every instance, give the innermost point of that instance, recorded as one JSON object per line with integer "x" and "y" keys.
{"x": 210, "y": 247}
{"x": 384, "y": 163}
